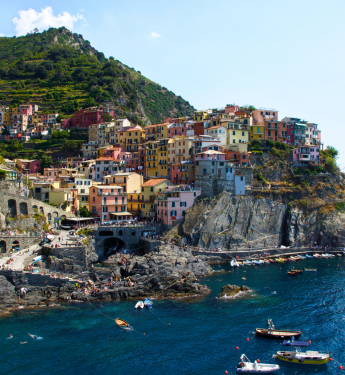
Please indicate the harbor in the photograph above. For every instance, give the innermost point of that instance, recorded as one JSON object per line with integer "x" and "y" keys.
{"x": 170, "y": 337}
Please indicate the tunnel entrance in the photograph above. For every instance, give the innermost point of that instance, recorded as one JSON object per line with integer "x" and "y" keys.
{"x": 111, "y": 246}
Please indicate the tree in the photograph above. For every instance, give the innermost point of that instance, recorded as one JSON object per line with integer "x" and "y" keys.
{"x": 330, "y": 164}
{"x": 46, "y": 161}
{"x": 84, "y": 212}
{"x": 332, "y": 151}
{"x": 64, "y": 134}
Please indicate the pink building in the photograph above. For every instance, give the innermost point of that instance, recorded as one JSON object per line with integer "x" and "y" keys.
{"x": 25, "y": 110}
{"x": 232, "y": 108}
{"x": 119, "y": 153}
{"x": 180, "y": 129}
{"x": 108, "y": 202}
{"x": 174, "y": 202}
{"x": 259, "y": 115}
{"x": 28, "y": 166}
{"x": 306, "y": 155}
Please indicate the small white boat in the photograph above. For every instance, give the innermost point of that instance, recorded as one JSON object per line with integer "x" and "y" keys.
{"x": 246, "y": 366}
{"x": 248, "y": 262}
{"x": 234, "y": 263}
{"x": 316, "y": 255}
{"x": 258, "y": 262}
{"x": 50, "y": 237}
{"x": 139, "y": 305}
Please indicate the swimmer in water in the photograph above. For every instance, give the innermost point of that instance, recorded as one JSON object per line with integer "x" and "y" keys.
{"x": 33, "y": 336}
{"x": 25, "y": 342}
{"x": 10, "y": 337}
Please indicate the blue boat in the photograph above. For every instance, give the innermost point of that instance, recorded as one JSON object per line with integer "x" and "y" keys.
{"x": 148, "y": 303}
{"x": 309, "y": 256}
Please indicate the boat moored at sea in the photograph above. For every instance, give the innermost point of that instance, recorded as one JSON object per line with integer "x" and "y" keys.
{"x": 278, "y": 334}
{"x": 310, "y": 357}
{"x": 122, "y": 324}
{"x": 139, "y": 305}
{"x": 246, "y": 366}
{"x": 310, "y": 269}
{"x": 148, "y": 303}
{"x": 234, "y": 263}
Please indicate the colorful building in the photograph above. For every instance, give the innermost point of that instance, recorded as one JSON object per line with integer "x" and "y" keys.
{"x": 173, "y": 204}
{"x": 305, "y": 155}
{"x": 109, "y": 203}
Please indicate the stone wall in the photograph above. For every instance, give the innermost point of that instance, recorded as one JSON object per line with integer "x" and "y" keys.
{"x": 24, "y": 242}
{"x": 76, "y": 254}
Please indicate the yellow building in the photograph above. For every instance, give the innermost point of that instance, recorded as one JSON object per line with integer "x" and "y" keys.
{"x": 67, "y": 199}
{"x": 179, "y": 149}
{"x": 67, "y": 171}
{"x": 156, "y": 132}
{"x": 148, "y": 191}
{"x": 85, "y": 167}
{"x": 157, "y": 159}
{"x": 257, "y": 132}
{"x": 237, "y": 133}
{"x": 131, "y": 138}
{"x": 202, "y": 115}
{"x": 130, "y": 181}
{"x": 8, "y": 115}
{"x": 82, "y": 185}
{"x": 134, "y": 202}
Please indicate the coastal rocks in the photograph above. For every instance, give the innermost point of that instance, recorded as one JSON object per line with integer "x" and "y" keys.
{"x": 6, "y": 288}
{"x": 232, "y": 290}
{"x": 234, "y": 222}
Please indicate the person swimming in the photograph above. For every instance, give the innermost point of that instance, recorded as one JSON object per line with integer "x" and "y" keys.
{"x": 10, "y": 337}
{"x": 25, "y": 342}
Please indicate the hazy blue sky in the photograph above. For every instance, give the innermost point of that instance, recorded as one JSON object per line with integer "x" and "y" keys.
{"x": 287, "y": 55}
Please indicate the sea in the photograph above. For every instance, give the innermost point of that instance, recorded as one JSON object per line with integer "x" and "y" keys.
{"x": 187, "y": 335}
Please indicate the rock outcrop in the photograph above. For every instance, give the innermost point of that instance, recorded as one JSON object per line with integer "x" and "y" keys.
{"x": 231, "y": 290}
{"x": 235, "y": 223}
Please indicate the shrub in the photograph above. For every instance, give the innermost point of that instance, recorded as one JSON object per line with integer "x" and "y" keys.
{"x": 307, "y": 171}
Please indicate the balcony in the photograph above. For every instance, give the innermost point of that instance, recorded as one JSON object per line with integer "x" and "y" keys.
{"x": 112, "y": 194}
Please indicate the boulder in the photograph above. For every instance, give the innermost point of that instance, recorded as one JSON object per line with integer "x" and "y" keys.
{"x": 231, "y": 290}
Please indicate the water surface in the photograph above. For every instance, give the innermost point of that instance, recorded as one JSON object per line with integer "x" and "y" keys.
{"x": 203, "y": 332}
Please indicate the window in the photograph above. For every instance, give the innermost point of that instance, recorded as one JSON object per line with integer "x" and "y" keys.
{"x": 105, "y": 217}
{"x": 183, "y": 204}
{"x": 172, "y": 204}
{"x": 105, "y": 209}
{"x": 241, "y": 178}
{"x": 173, "y": 213}
{"x": 93, "y": 199}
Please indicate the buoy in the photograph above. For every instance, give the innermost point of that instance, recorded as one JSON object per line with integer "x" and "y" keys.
{"x": 258, "y": 360}
{"x": 169, "y": 324}
{"x": 309, "y": 342}
{"x": 340, "y": 367}
{"x": 144, "y": 334}
{"x": 247, "y": 339}
{"x": 331, "y": 359}
{"x": 237, "y": 347}
{"x": 226, "y": 372}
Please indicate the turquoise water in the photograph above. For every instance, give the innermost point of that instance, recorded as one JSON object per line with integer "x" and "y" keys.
{"x": 203, "y": 332}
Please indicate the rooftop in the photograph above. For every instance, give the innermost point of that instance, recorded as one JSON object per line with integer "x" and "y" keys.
{"x": 154, "y": 182}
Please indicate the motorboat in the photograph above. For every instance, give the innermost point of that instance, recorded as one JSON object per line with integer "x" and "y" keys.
{"x": 122, "y": 324}
{"x": 292, "y": 273}
{"x": 248, "y": 262}
{"x": 330, "y": 255}
{"x": 316, "y": 255}
{"x": 298, "y": 271}
{"x": 310, "y": 357}
{"x": 310, "y": 269}
{"x": 50, "y": 237}
{"x": 139, "y": 305}
{"x": 234, "y": 263}
{"x": 246, "y": 366}
{"x": 272, "y": 333}
{"x": 148, "y": 303}
{"x": 309, "y": 256}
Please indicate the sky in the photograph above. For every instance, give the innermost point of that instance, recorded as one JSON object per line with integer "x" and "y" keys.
{"x": 287, "y": 55}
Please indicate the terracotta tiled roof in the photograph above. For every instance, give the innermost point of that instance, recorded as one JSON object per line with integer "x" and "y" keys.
{"x": 154, "y": 182}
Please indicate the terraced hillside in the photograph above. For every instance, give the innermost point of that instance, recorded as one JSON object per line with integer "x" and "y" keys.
{"x": 61, "y": 72}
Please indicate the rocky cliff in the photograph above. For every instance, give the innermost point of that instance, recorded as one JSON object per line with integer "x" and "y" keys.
{"x": 234, "y": 222}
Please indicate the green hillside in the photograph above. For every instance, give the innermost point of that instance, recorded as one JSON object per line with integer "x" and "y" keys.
{"x": 61, "y": 72}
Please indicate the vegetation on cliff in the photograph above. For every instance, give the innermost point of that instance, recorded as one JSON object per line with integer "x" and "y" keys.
{"x": 62, "y": 72}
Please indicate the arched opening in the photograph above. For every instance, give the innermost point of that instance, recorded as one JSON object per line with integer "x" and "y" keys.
{"x": 120, "y": 233}
{"x": 41, "y": 210}
{"x": 15, "y": 246}
{"x": 23, "y": 208}
{"x": 55, "y": 214}
{"x": 111, "y": 246}
{"x": 49, "y": 217}
{"x": 105, "y": 233}
{"x": 34, "y": 207}
{"x": 12, "y": 206}
{"x": 3, "y": 246}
